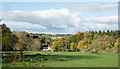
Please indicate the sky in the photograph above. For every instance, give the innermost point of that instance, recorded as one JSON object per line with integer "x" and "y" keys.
{"x": 60, "y": 17}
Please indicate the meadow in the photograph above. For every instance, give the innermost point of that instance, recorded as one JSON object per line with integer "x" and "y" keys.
{"x": 60, "y": 59}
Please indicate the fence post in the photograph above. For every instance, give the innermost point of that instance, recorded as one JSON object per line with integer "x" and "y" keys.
{"x": 21, "y": 54}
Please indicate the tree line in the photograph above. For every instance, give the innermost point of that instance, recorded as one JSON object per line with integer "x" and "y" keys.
{"x": 81, "y": 41}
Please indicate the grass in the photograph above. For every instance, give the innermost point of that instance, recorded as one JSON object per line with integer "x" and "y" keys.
{"x": 64, "y": 59}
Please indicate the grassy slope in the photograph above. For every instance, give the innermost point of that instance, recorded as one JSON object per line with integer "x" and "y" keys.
{"x": 70, "y": 59}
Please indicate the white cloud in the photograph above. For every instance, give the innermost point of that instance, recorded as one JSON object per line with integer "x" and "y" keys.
{"x": 52, "y": 13}
{"x": 96, "y": 27}
{"x": 56, "y": 21}
{"x": 108, "y": 19}
{"x": 23, "y": 25}
{"x": 51, "y": 19}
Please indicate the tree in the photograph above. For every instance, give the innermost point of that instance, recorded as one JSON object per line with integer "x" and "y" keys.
{"x": 67, "y": 42}
{"x": 27, "y": 43}
{"x": 80, "y": 45}
{"x": 116, "y": 47}
{"x": 59, "y": 44}
{"x": 95, "y": 32}
{"x": 72, "y": 46}
{"x": 92, "y": 34}
{"x": 104, "y": 32}
{"x": 108, "y": 32}
{"x": 54, "y": 45}
{"x": 96, "y": 36}
{"x": 48, "y": 40}
{"x": 41, "y": 39}
{"x": 102, "y": 42}
{"x": 99, "y": 32}
{"x": 117, "y": 43}
{"x": 8, "y": 39}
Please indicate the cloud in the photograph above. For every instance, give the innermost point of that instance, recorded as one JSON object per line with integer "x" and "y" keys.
{"x": 108, "y": 19}
{"x": 96, "y": 27}
{"x": 101, "y": 23}
{"x": 93, "y": 7}
{"x": 56, "y": 21}
{"x": 23, "y": 25}
{"x": 52, "y": 20}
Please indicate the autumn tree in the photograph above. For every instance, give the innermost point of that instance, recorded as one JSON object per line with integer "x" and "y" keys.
{"x": 117, "y": 43}
{"x": 103, "y": 42}
{"x": 72, "y": 46}
{"x": 116, "y": 47}
{"x": 81, "y": 45}
{"x": 59, "y": 44}
{"x": 54, "y": 45}
{"x": 67, "y": 42}
{"x": 8, "y": 39}
{"x": 27, "y": 43}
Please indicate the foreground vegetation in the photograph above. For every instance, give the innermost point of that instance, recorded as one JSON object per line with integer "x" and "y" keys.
{"x": 62, "y": 59}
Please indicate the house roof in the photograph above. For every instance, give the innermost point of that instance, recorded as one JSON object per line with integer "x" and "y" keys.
{"x": 57, "y": 37}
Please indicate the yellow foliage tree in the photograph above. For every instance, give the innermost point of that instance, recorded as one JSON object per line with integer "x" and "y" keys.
{"x": 80, "y": 45}
{"x": 72, "y": 46}
{"x": 117, "y": 43}
{"x": 54, "y": 45}
{"x": 58, "y": 44}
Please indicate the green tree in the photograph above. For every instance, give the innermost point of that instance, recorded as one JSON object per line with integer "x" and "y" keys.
{"x": 108, "y": 32}
{"x": 104, "y": 32}
{"x": 95, "y": 32}
{"x": 92, "y": 34}
{"x": 100, "y": 32}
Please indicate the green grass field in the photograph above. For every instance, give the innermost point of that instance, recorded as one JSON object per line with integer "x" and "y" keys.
{"x": 64, "y": 59}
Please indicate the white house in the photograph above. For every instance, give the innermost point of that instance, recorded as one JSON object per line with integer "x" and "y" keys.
{"x": 48, "y": 48}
